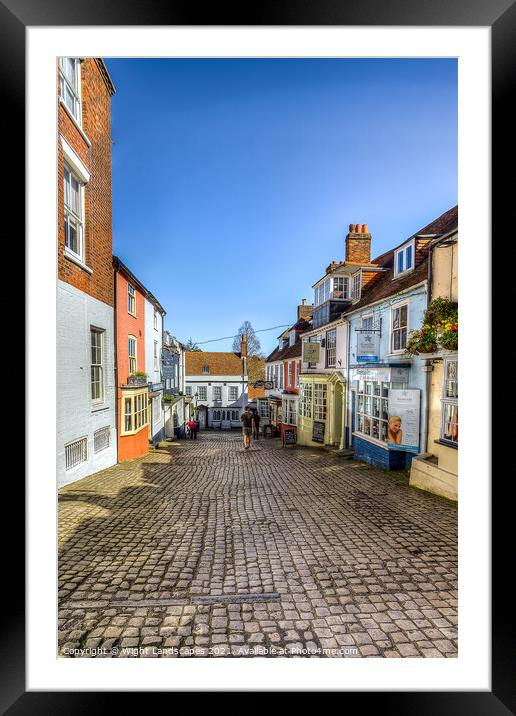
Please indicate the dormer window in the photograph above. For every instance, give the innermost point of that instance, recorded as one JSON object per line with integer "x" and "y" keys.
{"x": 341, "y": 287}
{"x": 404, "y": 259}
{"x": 206, "y": 369}
{"x": 356, "y": 283}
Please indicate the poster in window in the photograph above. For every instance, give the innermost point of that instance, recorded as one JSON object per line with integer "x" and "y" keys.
{"x": 403, "y": 423}
{"x": 368, "y": 346}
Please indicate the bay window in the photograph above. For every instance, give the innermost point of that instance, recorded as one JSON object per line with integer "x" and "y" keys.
{"x": 306, "y": 400}
{"x": 320, "y": 401}
{"x": 449, "y": 403}
{"x": 135, "y": 411}
{"x": 356, "y": 285}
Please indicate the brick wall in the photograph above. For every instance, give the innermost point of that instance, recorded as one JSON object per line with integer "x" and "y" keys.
{"x": 96, "y": 125}
{"x": 358, "y": 248}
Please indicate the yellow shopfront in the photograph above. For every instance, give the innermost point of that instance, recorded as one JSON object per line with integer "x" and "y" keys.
{"x": 322, "y": 409}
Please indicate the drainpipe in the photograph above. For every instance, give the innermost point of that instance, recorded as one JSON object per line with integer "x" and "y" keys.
{"x": 115, "y": 356}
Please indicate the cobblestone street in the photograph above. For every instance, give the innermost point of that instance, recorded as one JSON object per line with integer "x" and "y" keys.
{"x": 203, "y": 549}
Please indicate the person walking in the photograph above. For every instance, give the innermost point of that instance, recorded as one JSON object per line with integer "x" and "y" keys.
{"x": 247, "y": 423}
{"x": 256, "y": 424}
{"x": 192, "y": 427}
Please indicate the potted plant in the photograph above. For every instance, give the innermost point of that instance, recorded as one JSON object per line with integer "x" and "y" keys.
{"x": 137, "y": 378}
{"x": 449, "y": 337}
{"x": 423, "y": 340}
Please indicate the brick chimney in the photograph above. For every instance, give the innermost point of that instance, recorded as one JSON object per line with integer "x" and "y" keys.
{"x": 358, "y": 244}
{"x": 243, "y": 347}
{"x": 305, "y": 310}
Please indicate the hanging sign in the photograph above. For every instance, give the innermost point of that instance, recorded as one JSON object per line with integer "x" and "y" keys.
{"x": 311, "y": 352}
{"x": 403, "y": 424}
{"x": 368, "y": 346}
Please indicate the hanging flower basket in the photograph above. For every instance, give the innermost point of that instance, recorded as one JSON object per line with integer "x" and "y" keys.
{"x": 440, "y": 329}
{"x": 449, "y": 339}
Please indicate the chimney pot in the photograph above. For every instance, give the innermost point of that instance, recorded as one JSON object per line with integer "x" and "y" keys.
{"x": 351, "y": 228}
{"x": 303, "y": 301}
{"x": 359, "y": 228}
{"x": 365, "y": 229}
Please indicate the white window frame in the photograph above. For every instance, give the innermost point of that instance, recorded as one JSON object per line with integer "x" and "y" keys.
{"x": 233, "y": 392}
{"x": 156, "y": 328}
{"x": 70, "y": 216}
{"x": 217, "y": 392}
{"x": 446, "y": 400}
{"x": 156, "y": 357}
{"x": 345, "y": 287}
{"x": 403, "y": 251}
{"x": 367, "y": 317}
{"x": 101, "y": 333}
{"x": 131, "y": 299}
{"x": 367, "y": 399}
{"x": 204, "y": 390}
{"x": 398, "y": 306}
{"x": 138, "y": 411}
{"x": 289, "y": 411}
{"x": 188, "y": 390}
{"x": 306, "y": 400}
{"x": 289, "y": 374}
{"x": 356, "y": 286}
{"x": 331, "y": 347}
{"x": 130, "y": 357}
{"x": 320, "y": 393}
{"x": 75, "y": 91}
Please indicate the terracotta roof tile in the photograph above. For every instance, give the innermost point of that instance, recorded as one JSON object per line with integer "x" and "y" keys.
{"x": 218, "y": 362}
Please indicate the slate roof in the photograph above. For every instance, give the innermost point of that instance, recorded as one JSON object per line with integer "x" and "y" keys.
{"x": 218, "y": 362}
{"x": 383, "y": 285}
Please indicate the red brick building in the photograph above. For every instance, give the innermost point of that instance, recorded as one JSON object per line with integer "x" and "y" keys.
{"x": 86, "y": 431}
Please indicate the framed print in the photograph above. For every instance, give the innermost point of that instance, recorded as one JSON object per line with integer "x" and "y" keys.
{"x": 190, "y": 183}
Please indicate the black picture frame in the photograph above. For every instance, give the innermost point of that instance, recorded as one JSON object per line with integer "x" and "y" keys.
{"x": 500, "y": 16}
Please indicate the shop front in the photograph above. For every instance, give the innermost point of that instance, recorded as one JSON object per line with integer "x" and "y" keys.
{"x": 436, "y": 469}
{"x": 385, "y": 416}
{"x": 321, "y": 409}
{"x": 289, "y": 412}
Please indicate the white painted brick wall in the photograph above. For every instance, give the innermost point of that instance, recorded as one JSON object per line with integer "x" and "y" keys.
{"x": 76, "y": 417}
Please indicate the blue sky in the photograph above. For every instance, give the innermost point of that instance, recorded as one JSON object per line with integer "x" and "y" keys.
{"x": 234, "y": 180}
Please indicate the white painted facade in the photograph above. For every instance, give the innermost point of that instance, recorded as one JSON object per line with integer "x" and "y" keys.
{"x": 326, "y": 363}
{"x": 153, "y": 358}
{"x": 78, "y": 417}
{"x": 226, "y": 397}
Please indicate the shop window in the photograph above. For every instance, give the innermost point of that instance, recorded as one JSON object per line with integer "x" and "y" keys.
{"x": 449, "y": 403}
{"x": 306, "y": 400}
{"x": 289, "y": 412}
{"x": 320, "y": 401}
{"x": 372, "y": 411}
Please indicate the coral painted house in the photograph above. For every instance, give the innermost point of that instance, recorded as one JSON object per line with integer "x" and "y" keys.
{"x": 133, "y": 410}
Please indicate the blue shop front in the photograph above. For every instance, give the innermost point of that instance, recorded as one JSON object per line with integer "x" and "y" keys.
{"x": 385, "y": 415}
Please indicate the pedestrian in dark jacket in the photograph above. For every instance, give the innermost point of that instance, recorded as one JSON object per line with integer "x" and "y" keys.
{"x": 256, "y": 425}
{"x": 247, "y": 423}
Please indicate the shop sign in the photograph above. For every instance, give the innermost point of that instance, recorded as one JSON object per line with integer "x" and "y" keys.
{"x": 403, "y": 424}
{"x": 266, "y": 384}
{"x": 318, "y": 431}
{"x": 385, "y": 375}
{"x": 289, "y": 436}
{"x": 311, "y": 352}
{"x": 368, "y": 346}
